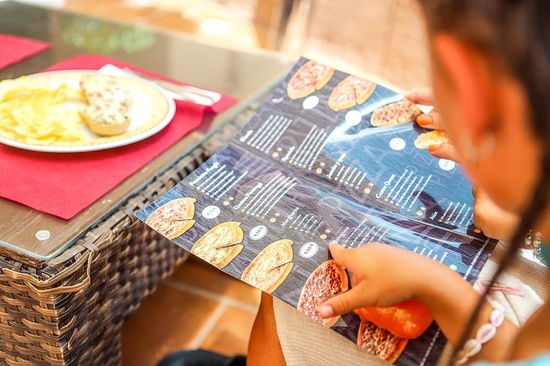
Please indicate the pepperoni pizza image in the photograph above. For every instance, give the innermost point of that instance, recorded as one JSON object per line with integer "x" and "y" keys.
{"x": 326, "y": 281}
{"x": 385, "y": 330}
{"x": 173, "y": 218}
{"x": 380, "y": 342}
{"x": 221, "y": 244}
{"x": 310, "y": 77}
{"x": 350, "y": 92}
{"x": 431, "y": 138}
{"x": 271, "y": 266}
{"x": 395, "y": 114}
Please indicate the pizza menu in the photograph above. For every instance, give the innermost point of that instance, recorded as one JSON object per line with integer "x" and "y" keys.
{"x": 328, "y": 158}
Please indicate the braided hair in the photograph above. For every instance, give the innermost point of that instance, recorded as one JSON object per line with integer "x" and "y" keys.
{"x": 517, "y": 34}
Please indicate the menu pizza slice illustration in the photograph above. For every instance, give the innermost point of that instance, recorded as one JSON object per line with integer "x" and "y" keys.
{"x": 380, "y": 342}
{"x": 173, "y": 218}
{"x": 351, "y": 91}
{"x": 397, "y": 113}
{"x": 310, "y": 77}
{"x": 271, "y": 266}
{"x": 221, "y": 244}
{"x": 326, "y": 281}
{"x": 431, "y": 138}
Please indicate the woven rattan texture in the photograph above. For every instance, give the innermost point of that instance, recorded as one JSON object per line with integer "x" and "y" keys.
{"x": 72, "y": 311}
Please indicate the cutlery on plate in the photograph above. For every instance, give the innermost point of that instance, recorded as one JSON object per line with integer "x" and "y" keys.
{"x": 173, "y": 90}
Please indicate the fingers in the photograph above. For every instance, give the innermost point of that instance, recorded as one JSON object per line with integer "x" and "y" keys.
{"x": 475, "y": 190}
{"x": 430, "y": 121}
{"x": 492, "y": 220}
{"x": 338, "y": 253}
{"x": 340, "y": 304}
{"x": 445, "y": 151}
{"x": 343, "y": 303}
{"x": 421, "y": 96}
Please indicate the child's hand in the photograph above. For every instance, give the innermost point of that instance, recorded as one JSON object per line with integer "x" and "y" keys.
{"x": 432, "y": 121}
{"x": 381, "y": 275}
{"x": 493, "y": 221}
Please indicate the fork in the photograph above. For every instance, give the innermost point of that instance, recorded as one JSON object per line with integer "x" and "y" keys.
{"x": 172, "y": 90}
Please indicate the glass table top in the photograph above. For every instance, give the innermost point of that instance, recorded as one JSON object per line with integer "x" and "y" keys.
{"x": 244, "y": 75}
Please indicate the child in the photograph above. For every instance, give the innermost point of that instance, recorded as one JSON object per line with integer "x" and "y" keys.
{"x": 491, "y": 81}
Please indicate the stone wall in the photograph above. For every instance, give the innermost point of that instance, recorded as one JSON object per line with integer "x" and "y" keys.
{"x": 382, "y": 39}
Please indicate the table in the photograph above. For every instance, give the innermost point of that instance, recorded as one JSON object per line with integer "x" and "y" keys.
{"x": 63, "y": 300}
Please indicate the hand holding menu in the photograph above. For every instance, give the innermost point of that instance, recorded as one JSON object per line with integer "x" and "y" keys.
{"x": 330, "y": 157}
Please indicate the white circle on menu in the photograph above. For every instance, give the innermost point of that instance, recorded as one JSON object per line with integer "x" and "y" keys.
{"x": 353, "y": 118}
{"x": 258, "y": 232}
{"x": 309, "y": 249}
{"x": 447, "y": 165}
{"x": 397, "y": 144}
{"x": 311, "y": 102}
{"x": 211, "y": 212}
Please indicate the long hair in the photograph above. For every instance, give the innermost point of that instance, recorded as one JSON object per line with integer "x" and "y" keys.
{"x": 516, "y": 33}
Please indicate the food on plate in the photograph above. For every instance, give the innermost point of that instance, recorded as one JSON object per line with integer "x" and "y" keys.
{"x": 35, "y": 112}
{"x": 431, "y": 138}
{"x": 350, "y": 92}
{"x": 109, "y": 104}
{"x": 380, "y": 342}
{"x": 408, "y": 319}
{"x": 395, "y": 113}
{"x": 221, "y": 244}
{"x": 271, "y": 266}
{"x": 173, "y": 218}
{"x": 326, "y": 281}
{"x": 310, "y": 77}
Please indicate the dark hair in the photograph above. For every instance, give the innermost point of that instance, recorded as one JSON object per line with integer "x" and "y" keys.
{"x": 516, "y": 34}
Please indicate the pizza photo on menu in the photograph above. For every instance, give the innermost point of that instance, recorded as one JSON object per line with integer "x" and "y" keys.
{"x": 397, "y": 113}
{"x": 380, "y": 342}
{"x": 431, "y": 138}
{"x": 173, "y": 218}
{"x": 220, "y": 245}
{"x": 350, "y": 92}
{"x": 310, "y": 77}
{"x": 385, "y": 330}
{"x": 326, "y": 281}
{"x": 271, "y": 266}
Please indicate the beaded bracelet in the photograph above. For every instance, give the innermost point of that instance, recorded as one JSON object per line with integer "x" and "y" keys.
{"x": 484, "y": 334}
{"x": 533, "y": 242}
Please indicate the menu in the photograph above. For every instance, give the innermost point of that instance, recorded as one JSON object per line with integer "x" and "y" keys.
{"x": 330, "y": 157}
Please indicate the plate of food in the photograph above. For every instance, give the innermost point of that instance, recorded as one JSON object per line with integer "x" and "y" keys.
{"x": 80, "y": 110}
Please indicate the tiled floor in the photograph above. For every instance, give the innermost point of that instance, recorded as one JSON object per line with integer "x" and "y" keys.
{"x": 197, "y": 307}
{"x": 200, "y": 306}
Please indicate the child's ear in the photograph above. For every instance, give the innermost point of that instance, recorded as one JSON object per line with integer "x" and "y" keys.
{"x": 468, "y": 75}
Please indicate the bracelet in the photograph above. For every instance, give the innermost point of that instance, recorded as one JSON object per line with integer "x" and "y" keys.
{"x": 484, "y": 334}
{"x": 533, "y": 242}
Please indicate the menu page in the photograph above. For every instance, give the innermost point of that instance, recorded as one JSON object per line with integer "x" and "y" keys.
{"x": 309, "y": 169}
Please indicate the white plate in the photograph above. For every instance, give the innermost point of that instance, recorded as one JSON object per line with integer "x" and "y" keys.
{"x": 152, "y": 110}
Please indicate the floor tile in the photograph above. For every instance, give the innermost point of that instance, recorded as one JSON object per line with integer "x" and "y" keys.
{"x": 170, "y": 319}
{"x": 196, "y": 272}
{"x": 231, "y": 334}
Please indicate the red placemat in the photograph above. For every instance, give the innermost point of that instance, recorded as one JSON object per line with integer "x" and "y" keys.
{"x": 14, "y": 49}
{"x": 64, "y": 184}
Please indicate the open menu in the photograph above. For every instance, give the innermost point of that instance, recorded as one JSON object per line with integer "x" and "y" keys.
{"x": 330, "y": 157}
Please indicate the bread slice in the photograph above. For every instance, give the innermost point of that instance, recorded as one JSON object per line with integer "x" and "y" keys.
{"x": 109, "y": 104}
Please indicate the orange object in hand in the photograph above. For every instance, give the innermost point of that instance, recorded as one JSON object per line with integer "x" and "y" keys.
{"x": 408, "y": 319}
